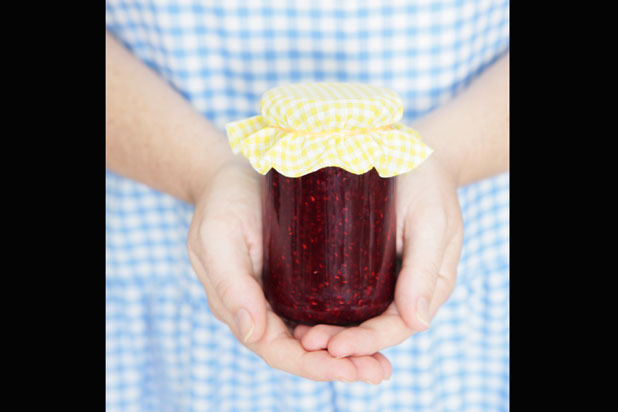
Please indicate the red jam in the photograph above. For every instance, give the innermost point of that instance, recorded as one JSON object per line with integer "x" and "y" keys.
{"x": 329, "y": 245}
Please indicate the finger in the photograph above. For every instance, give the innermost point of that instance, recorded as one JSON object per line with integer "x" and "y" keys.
{"x": 301, "y": 330}
{"x": 317, "y": 337}
{"x": 282, "y": 351}
{"x": 424, "y": 244}
{"x": 385, "y": 363}
{"x": 445, "y": 284}
{"x": 371, "y": 336}
{"x": 369, "y": 369}
{"x": 229, "y": 271}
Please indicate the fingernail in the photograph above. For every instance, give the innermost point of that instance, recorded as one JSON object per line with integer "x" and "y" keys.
{"x": 339, "y": 357}
{"x": 245, "y": 324}
{"x": 422, "y": 311}
{"x": 369, "y": 382}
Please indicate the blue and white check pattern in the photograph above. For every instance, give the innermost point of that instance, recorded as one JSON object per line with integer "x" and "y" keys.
{"x": 165, "y": 350}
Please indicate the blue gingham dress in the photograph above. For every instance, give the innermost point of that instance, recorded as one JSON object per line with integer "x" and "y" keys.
{"x": 164, "y": 350}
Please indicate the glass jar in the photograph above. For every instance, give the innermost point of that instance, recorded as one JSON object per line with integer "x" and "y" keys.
{"x": 330, "y": 153}
{"x": 329, "y": 245}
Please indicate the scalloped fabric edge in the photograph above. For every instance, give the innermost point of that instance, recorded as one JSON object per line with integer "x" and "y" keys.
{"x": 392, "y": 151}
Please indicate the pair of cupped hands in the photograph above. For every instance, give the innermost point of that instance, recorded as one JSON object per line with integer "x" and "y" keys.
{"x": 225, "y": 249}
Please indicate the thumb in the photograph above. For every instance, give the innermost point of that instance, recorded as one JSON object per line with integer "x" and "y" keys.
{"x": 423, "y": 251}
{"x": 230, "y": 272}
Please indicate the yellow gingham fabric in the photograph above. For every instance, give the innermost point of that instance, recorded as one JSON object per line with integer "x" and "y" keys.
{"x": 308, "y": 126}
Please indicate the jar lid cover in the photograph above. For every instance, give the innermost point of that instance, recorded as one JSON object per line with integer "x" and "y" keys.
{"x": 308, "y": 126}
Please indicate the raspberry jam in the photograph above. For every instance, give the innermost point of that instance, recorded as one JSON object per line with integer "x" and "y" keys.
{"x": 329, "y": 245}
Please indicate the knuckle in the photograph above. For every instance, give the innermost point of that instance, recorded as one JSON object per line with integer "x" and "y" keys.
{"x": 223, "y": 289}
{"x": 213, "y": 302}
{"x": 214, "y": 311}
{"x": 446, "y": 282}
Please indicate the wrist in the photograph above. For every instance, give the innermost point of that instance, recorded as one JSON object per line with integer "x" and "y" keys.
{"x": 202, "y": 178}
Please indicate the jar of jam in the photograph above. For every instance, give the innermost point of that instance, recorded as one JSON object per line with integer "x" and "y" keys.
{"x": 330, "y": 153}
{"x": 329, "y": 245}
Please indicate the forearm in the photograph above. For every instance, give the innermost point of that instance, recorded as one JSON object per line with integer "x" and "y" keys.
{"x": 153, "y": 135}
{"x": 470, "y": 134}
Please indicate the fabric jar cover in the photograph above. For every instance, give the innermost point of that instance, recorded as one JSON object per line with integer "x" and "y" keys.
{"x": 308, "y": 126}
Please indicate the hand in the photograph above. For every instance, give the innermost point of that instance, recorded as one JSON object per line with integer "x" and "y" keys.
{"x": 225, "y": 249}
{"x": 430, "y": 235}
